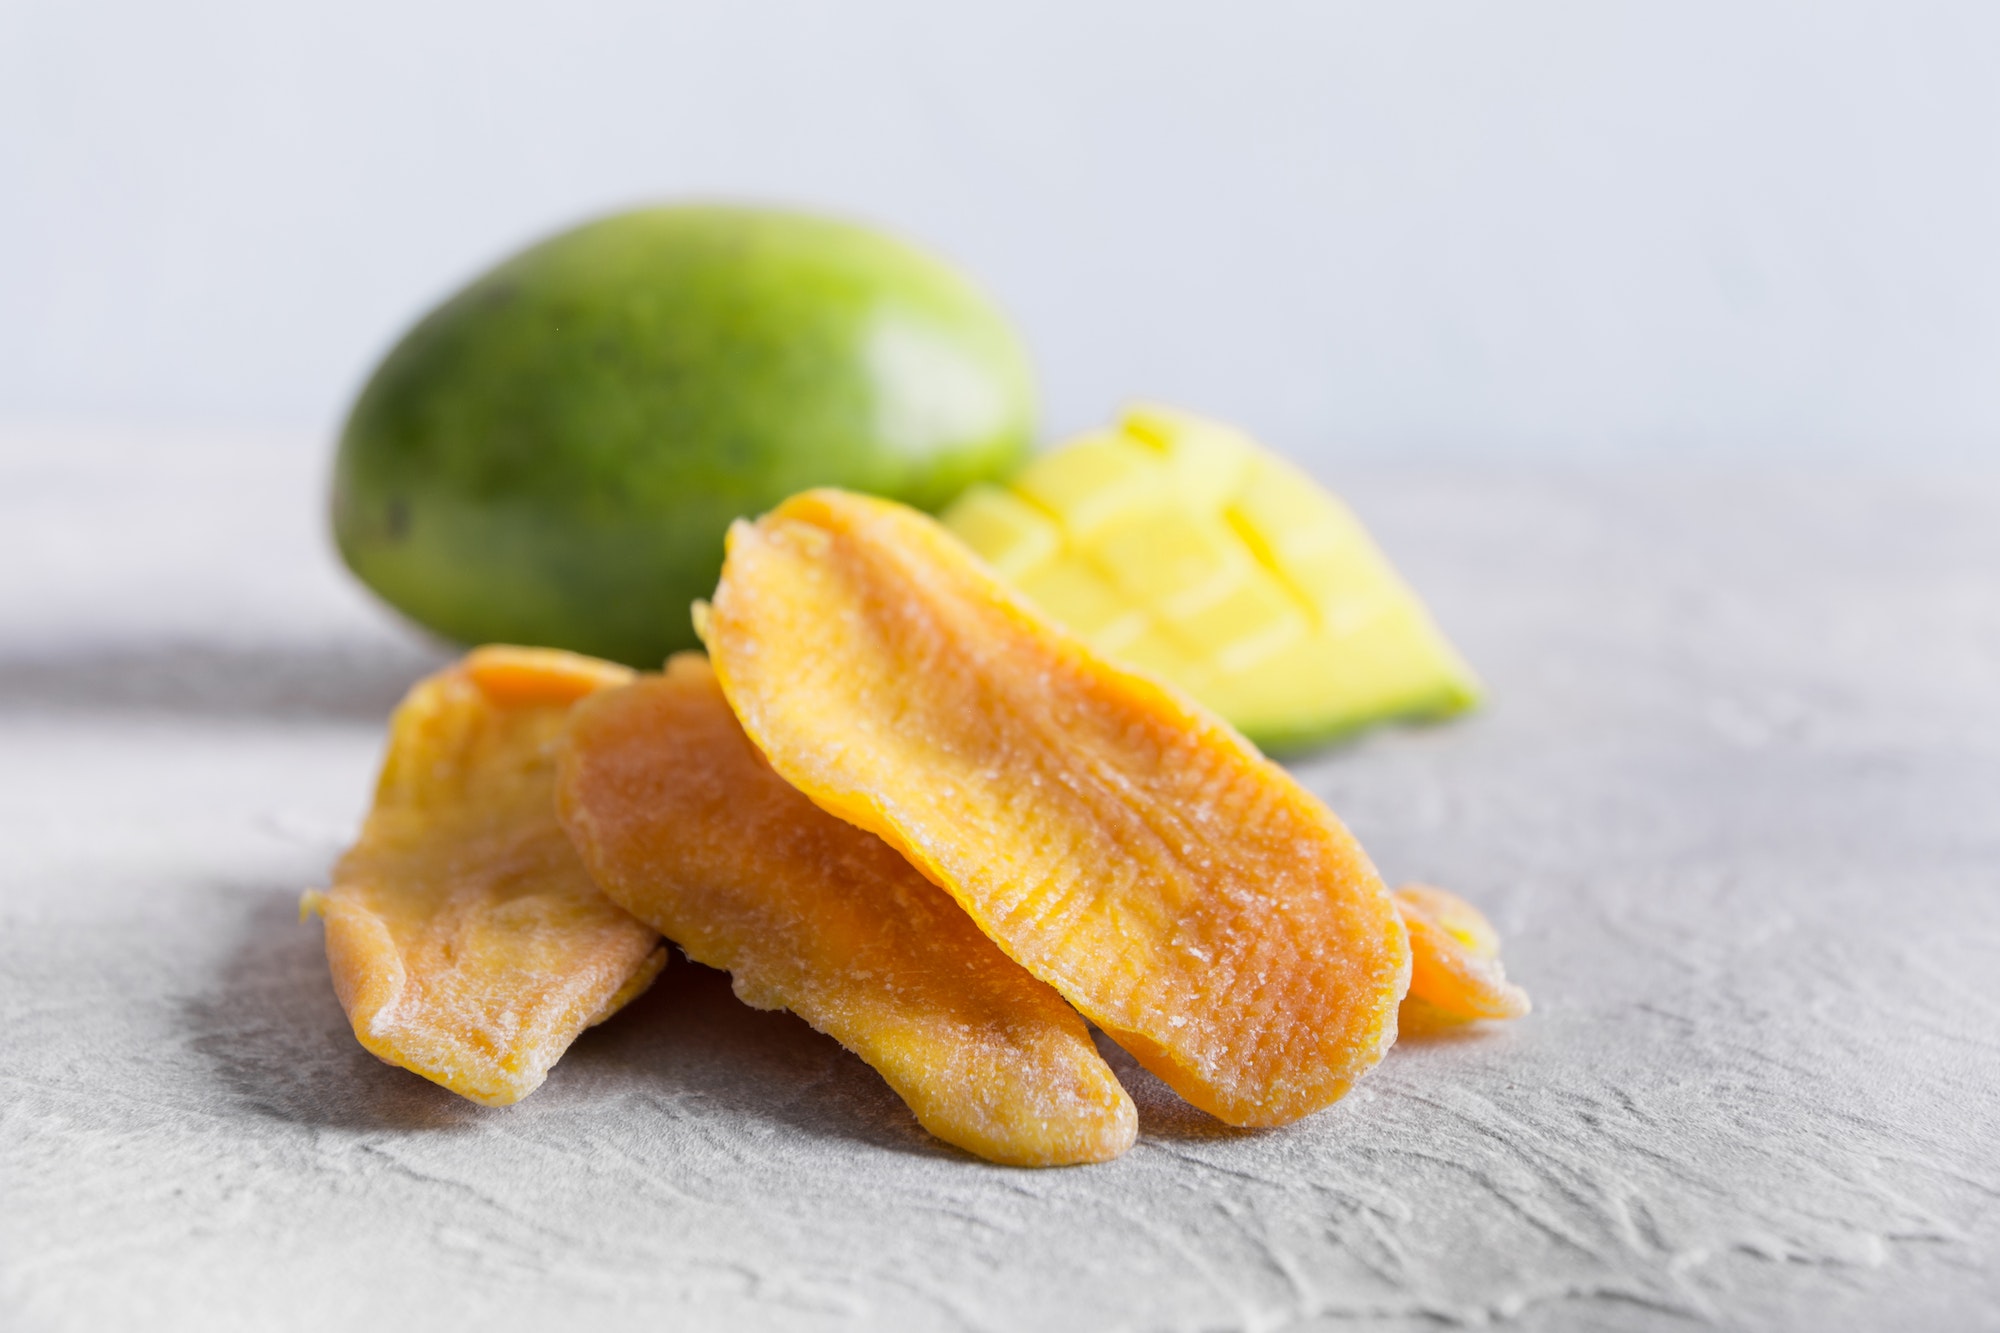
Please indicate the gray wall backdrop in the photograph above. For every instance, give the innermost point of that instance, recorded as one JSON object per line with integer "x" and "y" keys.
{"x": 1415, "y": 230}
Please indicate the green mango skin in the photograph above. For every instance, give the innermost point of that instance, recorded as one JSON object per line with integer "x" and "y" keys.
{"x": 553, "y": 455}
{"x": 1300, "y": 740}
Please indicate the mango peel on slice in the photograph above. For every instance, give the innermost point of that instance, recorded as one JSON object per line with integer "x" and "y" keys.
{"x": 466, "y": 940}
{"x": 682, "y": 822}
{"x": 1179, "y": 546}
{"x": 1455, "y": 972}
{"x": 1117, "y": 840}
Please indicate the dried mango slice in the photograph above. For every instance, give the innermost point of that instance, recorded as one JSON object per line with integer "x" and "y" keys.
{"x": 1119, "y": 842}
{"x": 1179, "y": 546}
{"x": 684, "y": 824}
{"x": 1455, "y": 972}
{"x": 466, "y": 940}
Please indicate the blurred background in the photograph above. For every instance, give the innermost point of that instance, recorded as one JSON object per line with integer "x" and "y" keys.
{"x": 1723, "y": 231}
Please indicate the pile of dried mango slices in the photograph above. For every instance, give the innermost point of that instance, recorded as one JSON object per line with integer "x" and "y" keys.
{"x": 897, "y": 800}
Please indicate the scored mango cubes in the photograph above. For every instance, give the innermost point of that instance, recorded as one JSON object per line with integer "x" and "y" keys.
{"x": 1179, "y": 546}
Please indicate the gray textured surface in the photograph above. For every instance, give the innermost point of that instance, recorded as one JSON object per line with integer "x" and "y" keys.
{"x": 1736, "y": 806}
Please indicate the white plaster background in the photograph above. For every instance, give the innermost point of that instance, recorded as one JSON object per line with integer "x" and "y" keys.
{"x": 1736, "y": 806}
{"x": 1577, "y": 227}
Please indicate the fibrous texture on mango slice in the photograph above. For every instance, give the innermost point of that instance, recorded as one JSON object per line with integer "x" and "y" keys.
{"x": 1455, "y": 972}
{"x": 683, "y": 822}
{"x": 466, "y": 940}
{"x": 1179, "y": 546}
{"x": 1123, "y": 845}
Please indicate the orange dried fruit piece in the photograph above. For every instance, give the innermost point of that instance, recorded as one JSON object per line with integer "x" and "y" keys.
{"x": 466, "y": 940}
{"x": 1455, "y": 972}
{"x": 1115, "y": 839}
{"x": 684, "y": 824}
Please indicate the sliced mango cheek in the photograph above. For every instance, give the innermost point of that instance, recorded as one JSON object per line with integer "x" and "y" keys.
{"x": 467, "y": 942}
{"x": 1181, "y": 547}
{"x": 682, "y": 822}
{"x": 1455, "y": 972}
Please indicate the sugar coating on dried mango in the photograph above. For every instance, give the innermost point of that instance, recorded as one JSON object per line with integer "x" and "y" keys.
{"x": 683, "y": 822}
{"x": 1179, "y": 546}
{"x": 466, "y": 940}
{"x": 1455, "y": 972}
{"x": 1121, "y": 843}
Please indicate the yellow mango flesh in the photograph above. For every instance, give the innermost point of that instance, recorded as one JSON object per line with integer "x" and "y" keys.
{"x": 1455, "y": 972}
{"x": 1122, "y": 844}
{"x": 466, "y": 940}
{"x": 1179, "y": 546}
{"x": 685, "y": 824}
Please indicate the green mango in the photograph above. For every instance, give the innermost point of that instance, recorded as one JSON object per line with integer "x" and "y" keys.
{"x": 553, "y": 455}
